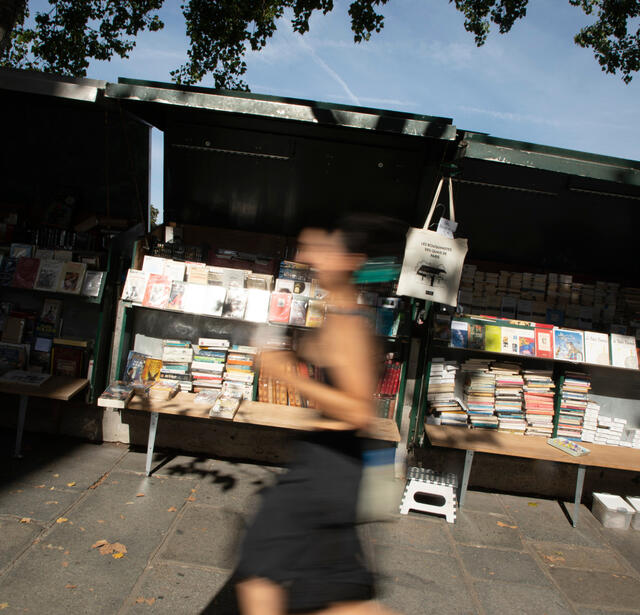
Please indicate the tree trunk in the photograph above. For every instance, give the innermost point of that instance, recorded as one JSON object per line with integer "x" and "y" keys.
{"x": 11, "y": 11}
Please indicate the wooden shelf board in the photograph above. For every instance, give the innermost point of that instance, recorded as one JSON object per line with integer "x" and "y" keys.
{"x": 266, "y": 415}
{"x": 530, "y": 447}
{"x": 62, "y": 388}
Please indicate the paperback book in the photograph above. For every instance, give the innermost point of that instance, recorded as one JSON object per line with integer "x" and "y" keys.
{"x": 596, "y": 348}
{"x": 116, "y": 395}
{"x": 623, "y": 351}
{"x": 135, "y": 286}
{"x": 72, "y": 277}
{"x": 26, "y": 272}
{"x": 235, "y": 303}
{"x": 93, "y": 283}
{"x": 257, "y": 309}
{"x": 157, "y": 292}
{"x": 49, "y": 274}
{"x": 568, "y": 344}
{"x": 176, "y": 295}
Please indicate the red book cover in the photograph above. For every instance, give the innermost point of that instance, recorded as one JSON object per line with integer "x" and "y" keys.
{"x": 26, "y": 272}
{"x": 544, "y": 341}
{"x": 280, "y": 307}
{"x": 157, "y": 291}
{"x": 67, "y": 361}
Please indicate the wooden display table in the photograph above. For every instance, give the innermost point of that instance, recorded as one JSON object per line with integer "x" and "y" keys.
{"x": 253, "y": 413}
{"x": 529, "y": 447}
{"x": 61, "y": 388}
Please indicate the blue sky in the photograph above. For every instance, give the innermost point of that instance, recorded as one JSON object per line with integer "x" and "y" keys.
{"x": 533, "y": 84}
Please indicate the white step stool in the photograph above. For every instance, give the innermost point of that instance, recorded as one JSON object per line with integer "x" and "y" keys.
{"x": 428, "y": 482}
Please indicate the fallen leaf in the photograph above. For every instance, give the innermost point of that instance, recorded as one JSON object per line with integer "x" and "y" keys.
{"x": 139, "y": 600}
{"x": 99, "y": 543}
{"x": 150, "y": 601}
{"x": 100, "y": 520}
{"x": 122, "y": 517}
{"x": 501, "y": 524}
{"x": 56, "y": 476}
{"x": 117, "y": 555}
{"x": 25, "y": 520}
{"x": 65, "y": 564}
{"x": 143, "y": 600}
{"x": 61, "y": 520}
{"x": 108, "y": 548}
{"x": 52, "y": 502}
{"x": 71, "y": 484}
{"x": 190, "y": 499}
{"x": 172, "y": 509}
{"x": 40, "y": 486}
{"x": 99, "y": 481}
{"x": 139, "y": 495}
{"x": 533, "y": 503}
{"x": 66, "y": 552}
{"x": 193, "y": 490}
{"x": 82, "y": 529}
{"x": 69, "y": 586}
{"x": 554, "y": 559}
{"x": 52, "y": 488}
{"x": 4, "y": 605}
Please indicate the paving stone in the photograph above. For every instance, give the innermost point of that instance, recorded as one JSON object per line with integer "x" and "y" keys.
{"x": 234, "y": 486}
{"x": 626, "y": 543}
{"x": 558, "y": 555}
{"x": 588, "y": 611}
{"x": 15, "y": 537}
{"x": 497, "y": 565}
{"x": 418, "y": 582}
{"x": 486, "y": 529}
{"x": 544, "y": 521}
{"x": 77, "y": 577}
{"x": 427, "y": 533}
{"x": 43, "y": 505}
{"x": 501, "y": 597}
{"x": 179, "y": 589}
{"x": 598, "y": 589}
{"x": 482, "y": 501}
{"x": 206, "y": 536}
{"x": 167, "y": 464}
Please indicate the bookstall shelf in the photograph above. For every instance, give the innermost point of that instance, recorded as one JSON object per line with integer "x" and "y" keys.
{"x": 57, "y": 294}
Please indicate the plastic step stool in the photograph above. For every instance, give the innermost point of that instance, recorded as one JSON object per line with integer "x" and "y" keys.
{"x": 427, "y": 482}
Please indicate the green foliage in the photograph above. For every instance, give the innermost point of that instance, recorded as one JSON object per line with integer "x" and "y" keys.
{"x": 65, "y": 39}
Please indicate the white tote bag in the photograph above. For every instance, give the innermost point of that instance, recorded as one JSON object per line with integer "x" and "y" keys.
{"x": 432, "y": 264}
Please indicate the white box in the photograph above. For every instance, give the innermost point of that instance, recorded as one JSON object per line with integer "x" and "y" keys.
{"x": 635, "y": 522}
{"x": 612, "y": 511}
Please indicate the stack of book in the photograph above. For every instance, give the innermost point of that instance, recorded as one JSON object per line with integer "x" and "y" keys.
{"x": 632, "y": 438}
{"x": 590, "y": 421}
{"x": 509, "y": 384}
{"x": 239, "y": 372}
{"x": 441, "y": 394}
{"x": 388, "y": 385}
{"x": 573, "y": 403}
{"x": 209, "y": 359}
{"x": 479, "y": 393}
{"x": 609, "y": 430}
{"x": 538, "y": 402}
{"x": 176, "y": 363}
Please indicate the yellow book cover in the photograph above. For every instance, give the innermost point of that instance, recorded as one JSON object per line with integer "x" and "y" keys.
{"x": 492, "y": 338}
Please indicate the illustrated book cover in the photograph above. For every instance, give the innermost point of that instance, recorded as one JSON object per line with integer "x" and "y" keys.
{"x": 49, "y": 274}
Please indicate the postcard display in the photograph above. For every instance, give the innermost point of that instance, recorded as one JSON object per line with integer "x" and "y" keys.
{"x": 218, "y": 315}
{"x": 523, "y": 352}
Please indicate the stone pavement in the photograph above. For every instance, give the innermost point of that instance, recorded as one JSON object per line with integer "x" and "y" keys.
{"x": 180, "y": 529}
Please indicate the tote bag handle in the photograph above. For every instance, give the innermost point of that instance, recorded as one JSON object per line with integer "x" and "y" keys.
{"x": 452, "y": 214}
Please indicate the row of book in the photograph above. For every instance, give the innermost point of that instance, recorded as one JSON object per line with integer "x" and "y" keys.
{"x": 503, "y": 397}
{"x": 33, "y": 341}
{"x": 51, "y": 275}
{"x": 564, "y": 302}
{"x": 526, "y": 338}
{"x": 283, "y": 305}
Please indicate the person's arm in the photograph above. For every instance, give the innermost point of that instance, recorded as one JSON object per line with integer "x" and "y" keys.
{"x": 352, "y": 401}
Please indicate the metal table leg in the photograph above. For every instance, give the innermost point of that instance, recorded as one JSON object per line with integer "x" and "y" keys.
{"x": 578, "y": 498}
{"x": 153, "y": 425}
{"x": 468, "y": 460}
{"x": 22, "y": 413}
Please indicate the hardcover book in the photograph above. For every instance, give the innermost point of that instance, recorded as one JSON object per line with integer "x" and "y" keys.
{"x": 50, "y": 315}
{"x": 280, "y": 307}
{"x": 315, "y": 313}
{"x": 93, "y": 283}
{"x": 67, "y": 361}
{"x": 134, "y": 286}
{"x": 257, "y": 305}
{"x": 26, "y": 272}
{"x": 235, "y": 303}
{"x": 49, "y": 274}
{"x": 623, "y": 351}
{"x": 214, "y": 302}
{"x": 568, "y": 344}
{"x": 153, "y": 264}
{"x": 596, "y": 348}
{"x": 176, "y": 295}
{"x": 459, "y": 334}
{"x": 72, "y": 277}
{"x": 157, "y": 292}
{"x": 116, "y": 395}
{"x": 194, "y": 299}
{"x": 544, "y": 341}
{"x": 298, "y": 314}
